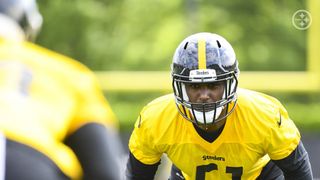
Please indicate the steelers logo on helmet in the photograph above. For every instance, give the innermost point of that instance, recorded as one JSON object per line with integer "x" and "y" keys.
{"x": 205, "y": 58}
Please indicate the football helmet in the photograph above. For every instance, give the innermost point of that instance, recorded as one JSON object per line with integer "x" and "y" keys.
{"x": 25, "y": 13}
{"x": 205, "y": 58}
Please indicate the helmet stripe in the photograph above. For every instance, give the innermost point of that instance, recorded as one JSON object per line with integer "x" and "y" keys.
{"x": 202, "y": 62}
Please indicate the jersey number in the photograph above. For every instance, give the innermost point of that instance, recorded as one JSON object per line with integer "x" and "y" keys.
{"x": 236, "y": 172}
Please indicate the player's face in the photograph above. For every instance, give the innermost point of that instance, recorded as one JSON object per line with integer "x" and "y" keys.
{"x": 205, "y": 93}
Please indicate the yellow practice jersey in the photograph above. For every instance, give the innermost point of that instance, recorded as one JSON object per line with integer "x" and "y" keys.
{"x": 258, "y": 129}
{"x": 45, "y": 97}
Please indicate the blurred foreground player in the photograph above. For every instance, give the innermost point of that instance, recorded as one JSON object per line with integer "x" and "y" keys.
{"x": 55, "y": 119}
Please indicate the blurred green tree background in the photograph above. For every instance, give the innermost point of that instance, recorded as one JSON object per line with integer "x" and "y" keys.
{"x": 142, "y": 35}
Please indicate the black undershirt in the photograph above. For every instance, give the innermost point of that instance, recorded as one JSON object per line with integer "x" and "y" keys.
{"x": 24, "y": 162}
{"x": 98, "y": 151}
{"x": 208, "y": 136}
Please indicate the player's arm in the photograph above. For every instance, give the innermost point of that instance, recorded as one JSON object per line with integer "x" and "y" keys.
{"x": 297, "y": 165}
{"x": 136, "y": 170}
{"x": 97, "y": 149}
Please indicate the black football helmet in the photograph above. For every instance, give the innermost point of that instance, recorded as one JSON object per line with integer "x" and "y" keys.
{"x": 25, "y": 13}
{"x": 205, "y": 58}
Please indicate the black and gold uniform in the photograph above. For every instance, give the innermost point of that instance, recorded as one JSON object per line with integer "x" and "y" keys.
{"x": 211, "y": 129}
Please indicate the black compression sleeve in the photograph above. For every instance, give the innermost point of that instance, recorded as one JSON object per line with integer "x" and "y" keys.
{"x": 136, "y": 170}
{"x": 297, "y": 165}
{"x": 98, "y": 151}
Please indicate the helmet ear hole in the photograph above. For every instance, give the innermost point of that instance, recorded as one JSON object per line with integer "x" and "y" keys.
{"x": 219, "y": 45}
{"x": 185, "y": 46}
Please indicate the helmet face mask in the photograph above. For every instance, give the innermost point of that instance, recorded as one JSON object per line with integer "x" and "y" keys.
{"x": 205, "y": 58}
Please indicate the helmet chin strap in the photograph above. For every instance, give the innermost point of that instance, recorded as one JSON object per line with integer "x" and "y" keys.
{"x": 209, "y": 115}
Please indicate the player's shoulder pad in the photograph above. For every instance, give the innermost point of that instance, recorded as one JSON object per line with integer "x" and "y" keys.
{"x": 262, "y": 104}
{"x": 50, "y": 56}
{"x": 154, "y": 110}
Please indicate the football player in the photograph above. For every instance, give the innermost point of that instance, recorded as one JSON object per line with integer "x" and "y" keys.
{"x": 211, "y": 129}
{"x": 56, "y": 122}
